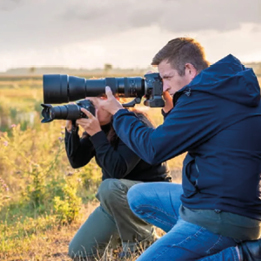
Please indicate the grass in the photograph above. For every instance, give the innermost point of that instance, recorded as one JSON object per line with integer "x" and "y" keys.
{"x": 40, "y": 239}
{"x": 43, "y": 201}
{"x": 51, "y": 244}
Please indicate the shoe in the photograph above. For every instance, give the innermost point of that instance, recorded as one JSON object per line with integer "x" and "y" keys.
{"x": 250, "y": 250}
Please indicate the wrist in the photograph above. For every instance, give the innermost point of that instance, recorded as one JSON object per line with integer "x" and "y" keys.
{"x": 166, "y": 110}
{"x": 93, "y": 132}
{"x": 116, "y": 110}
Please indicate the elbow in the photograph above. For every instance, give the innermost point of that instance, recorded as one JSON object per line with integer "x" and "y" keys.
{"x": 75, "y": 165}
{"x": 152, "y": 161}
{"x": 78, "y": 162}
{"x": 149, "y": 154}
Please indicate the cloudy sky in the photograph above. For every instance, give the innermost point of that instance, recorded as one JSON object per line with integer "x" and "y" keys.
{"x": 125, "y": 33}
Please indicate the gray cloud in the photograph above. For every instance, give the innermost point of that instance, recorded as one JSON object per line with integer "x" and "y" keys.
{"x": 173, "y": 15}
{"x": 7, "y": 5}
{"x": 42, "y": 23}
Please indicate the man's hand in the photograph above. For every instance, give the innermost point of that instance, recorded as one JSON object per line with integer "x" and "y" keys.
{"x": 90, "y": 125}
{"x": 168, "y": 102}
{"x": 110, "y": 104}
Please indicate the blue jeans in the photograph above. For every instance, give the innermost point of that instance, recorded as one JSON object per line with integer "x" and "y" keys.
{"x": 158, "y": 203}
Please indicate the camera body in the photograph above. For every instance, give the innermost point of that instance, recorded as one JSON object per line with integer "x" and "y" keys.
{"x": 67, "y": 112}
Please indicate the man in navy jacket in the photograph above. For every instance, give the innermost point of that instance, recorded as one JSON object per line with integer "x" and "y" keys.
{"x": 215, "y": 117}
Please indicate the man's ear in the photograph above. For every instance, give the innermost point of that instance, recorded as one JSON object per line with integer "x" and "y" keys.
{"x": 190, "y": 71}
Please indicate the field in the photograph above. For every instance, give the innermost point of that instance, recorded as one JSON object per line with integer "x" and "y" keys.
{"x": 43, "y": 200}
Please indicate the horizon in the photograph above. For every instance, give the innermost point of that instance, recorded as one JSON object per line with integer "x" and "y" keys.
{"x": 95, "y": 68}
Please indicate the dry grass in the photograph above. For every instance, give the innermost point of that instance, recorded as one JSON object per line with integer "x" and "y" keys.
{"x": 25, "y": 236}
{"x": 53, "y": 244}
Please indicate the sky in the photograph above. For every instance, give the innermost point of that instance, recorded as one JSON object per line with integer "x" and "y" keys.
{"x": 124, "y": 33}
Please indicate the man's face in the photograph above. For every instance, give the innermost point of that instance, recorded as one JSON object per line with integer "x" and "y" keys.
{"x": 172, "y": 81}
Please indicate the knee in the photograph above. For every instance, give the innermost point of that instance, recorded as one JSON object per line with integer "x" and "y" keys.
{"x": 137, "y": 196}
{"x": 72, "y": 251}
{"x": 110, "y": 190}
{"x": 77, "y": 253}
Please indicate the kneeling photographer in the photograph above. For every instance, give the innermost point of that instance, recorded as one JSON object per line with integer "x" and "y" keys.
{"x": 112, "y": 221}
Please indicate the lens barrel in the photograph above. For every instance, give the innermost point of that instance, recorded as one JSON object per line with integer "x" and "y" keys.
{"x": 66, "y": 112}
{"x": 60, "y": 88}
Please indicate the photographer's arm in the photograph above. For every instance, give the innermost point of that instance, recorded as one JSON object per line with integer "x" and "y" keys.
{"x": 79, "y": 150}
{"x": 116, "y": 162}
{"x": 186, "y": 126}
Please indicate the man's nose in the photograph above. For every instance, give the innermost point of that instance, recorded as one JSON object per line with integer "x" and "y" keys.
{"x": 165, "y": 86}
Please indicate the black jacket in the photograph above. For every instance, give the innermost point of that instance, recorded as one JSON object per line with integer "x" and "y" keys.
{"x": 116, "y": 161}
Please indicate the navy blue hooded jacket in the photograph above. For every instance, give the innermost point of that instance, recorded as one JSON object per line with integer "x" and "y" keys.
{"x": 217, "y": 120}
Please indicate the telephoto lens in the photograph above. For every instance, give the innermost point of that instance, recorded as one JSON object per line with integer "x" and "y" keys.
{"x": 61, "y": 88}
{"x": 66, "y": 112}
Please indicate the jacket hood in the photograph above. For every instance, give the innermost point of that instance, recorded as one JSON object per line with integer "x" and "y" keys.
{"x": 228, "y": 79}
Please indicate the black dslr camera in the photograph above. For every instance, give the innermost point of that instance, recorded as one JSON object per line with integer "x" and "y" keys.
{"x": 59, "y": 88}
{"x": 67, "y": 112}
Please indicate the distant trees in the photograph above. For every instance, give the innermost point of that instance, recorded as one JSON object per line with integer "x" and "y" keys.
{"x": 32, "y": 69}
{"x": 256, "y": 67}
{"x": 107, "y": 67}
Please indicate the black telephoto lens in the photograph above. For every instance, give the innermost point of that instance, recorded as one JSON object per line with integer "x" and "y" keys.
{"x": 59, "y": 88}
{"x": 55, "y": 88}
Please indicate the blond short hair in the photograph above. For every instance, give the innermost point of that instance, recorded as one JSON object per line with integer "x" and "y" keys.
{"x": 180, "y": 51}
